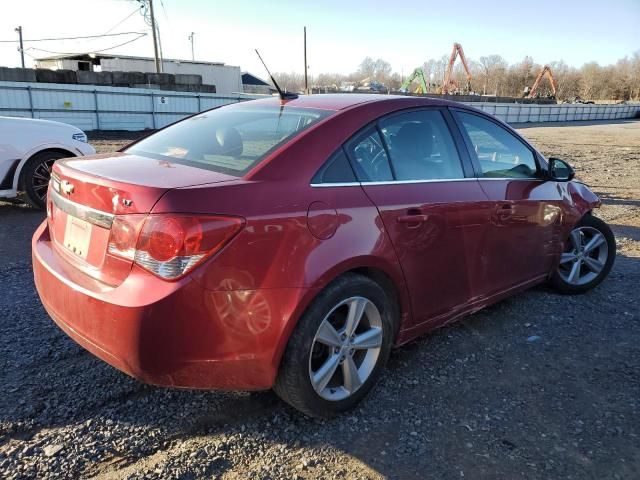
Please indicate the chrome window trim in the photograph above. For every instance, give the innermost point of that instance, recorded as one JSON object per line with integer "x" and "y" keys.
{"x": 336, "y": 184}
{"x": 433, "y": 180}
{"x": 88, "y": 214}
{"x": 528, "y": 179}
{"x": 391, "y": 182}
{"x": 430, "y": 180}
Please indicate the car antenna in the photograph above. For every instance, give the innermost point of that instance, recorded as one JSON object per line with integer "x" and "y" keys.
{"x": 283, "y": 95}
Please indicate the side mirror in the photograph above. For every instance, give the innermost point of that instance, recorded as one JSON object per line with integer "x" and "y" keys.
{"x": 560, "y": 171}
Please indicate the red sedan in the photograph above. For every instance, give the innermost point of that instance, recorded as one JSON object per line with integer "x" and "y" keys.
{"x": 290, "y": 244}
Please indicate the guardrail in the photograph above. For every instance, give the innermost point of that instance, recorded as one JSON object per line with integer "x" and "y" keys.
{"x": 91, "y": 107}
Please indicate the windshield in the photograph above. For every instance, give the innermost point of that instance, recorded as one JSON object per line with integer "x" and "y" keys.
{"x": 231, "y": 139}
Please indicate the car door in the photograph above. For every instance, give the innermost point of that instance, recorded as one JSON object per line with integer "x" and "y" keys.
{"x": 431, "y": 206}
{"x": 522, "y": 241}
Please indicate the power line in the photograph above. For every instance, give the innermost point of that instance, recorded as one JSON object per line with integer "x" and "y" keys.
{"x": 92, "y": 51}
{"x": 165, "y": 13}
{"x": 123, "y": 20}
{"x": 74, "y": 38}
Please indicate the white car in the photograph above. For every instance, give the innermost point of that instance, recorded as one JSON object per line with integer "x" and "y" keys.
{"x": 28, "y": 148}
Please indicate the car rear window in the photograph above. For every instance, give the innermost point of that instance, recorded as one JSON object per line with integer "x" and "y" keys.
{"x": 231, "y": 139}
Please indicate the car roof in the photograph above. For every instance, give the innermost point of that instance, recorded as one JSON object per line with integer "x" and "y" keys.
{"x": 341, "y": 101}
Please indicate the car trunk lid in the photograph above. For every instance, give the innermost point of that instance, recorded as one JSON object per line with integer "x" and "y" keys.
{"x": 87, "y": 194}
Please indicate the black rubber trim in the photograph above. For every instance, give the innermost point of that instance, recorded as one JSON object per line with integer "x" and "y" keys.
{"x": 7, "y": 181}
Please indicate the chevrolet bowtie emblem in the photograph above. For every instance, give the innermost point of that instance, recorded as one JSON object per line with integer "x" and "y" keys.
{"x": 66, "y": 187}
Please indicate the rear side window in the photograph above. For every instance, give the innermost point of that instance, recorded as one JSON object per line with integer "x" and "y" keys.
{"x": 335, "y": 170}
{"x": 369, "y": 156}
{"x": 499, "y": 153}
{"x": 421, "y": 146}
{"x": 231, "y": 139}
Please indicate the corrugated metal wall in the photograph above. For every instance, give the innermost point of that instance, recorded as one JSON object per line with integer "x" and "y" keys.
{"x": 92, "y": 107}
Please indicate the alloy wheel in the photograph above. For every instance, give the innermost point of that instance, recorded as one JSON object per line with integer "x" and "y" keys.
{"x": 40, "y": 178}
{"x": 345, "y": 348}
{"x": 585, "y": 256}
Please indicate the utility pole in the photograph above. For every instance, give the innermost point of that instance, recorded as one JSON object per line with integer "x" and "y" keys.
{"x": 193, "y": 57}
{"x": 160, "y": 49}
{"x": 21, "y": 47}
{"x": 155, "y": 40}
{"x": 306, "y": 79}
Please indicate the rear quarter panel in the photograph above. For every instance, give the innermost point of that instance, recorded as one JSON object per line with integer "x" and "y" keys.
{"x": 276, "y": 251}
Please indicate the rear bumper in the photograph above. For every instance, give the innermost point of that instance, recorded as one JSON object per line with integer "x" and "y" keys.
{"x": 169, "y": 333}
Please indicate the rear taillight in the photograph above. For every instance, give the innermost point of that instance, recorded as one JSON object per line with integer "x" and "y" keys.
{"x": 169, "y": 246}
{"x": 123, "y": 237}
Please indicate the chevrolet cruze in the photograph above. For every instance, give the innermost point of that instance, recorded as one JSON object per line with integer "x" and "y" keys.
{"x": 290, "y": 244}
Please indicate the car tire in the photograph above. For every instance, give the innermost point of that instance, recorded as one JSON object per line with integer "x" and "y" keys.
{"x": 35, "y": 176}
{"x": 306, "y": 350}
{"x": 582, "y": 268}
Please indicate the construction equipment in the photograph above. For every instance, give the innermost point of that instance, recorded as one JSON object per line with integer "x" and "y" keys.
{"x": 369, "y": 85}
{"x": 546, "y": 70}
{"x": 417, "y": 74}
{"x": 450, "y": 85}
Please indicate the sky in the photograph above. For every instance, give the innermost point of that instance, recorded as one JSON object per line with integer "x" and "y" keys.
{"x": 339, "y": 33}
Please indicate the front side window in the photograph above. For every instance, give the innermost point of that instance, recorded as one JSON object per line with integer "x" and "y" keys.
{"x": 499, "y": 153}
{"x": 231, "y": 139}
{"x": 421, "y": 147}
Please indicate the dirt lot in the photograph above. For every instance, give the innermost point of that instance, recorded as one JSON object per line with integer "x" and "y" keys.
{"x": 539, "y": 386}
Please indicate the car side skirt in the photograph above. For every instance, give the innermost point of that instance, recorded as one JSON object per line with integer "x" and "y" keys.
{"x": 406, "y": 335}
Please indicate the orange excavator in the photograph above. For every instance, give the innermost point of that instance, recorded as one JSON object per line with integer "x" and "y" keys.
{"x": 531, "y": 92}
{"x": 450, "y": 84}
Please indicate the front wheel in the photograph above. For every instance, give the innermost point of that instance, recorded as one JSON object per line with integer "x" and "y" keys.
{"x": 338, "y": 349}
{"x": 588, "y": 257}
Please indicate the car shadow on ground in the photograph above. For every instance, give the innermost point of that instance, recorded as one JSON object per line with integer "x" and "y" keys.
{"x": 525, "y": 388}
{"x": 608, "y": 199}
{"x": 17, "y": 224}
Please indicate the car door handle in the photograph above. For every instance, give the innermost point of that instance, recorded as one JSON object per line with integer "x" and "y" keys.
{"x": 504, "y": 210}
{"x": 413, "y": 218}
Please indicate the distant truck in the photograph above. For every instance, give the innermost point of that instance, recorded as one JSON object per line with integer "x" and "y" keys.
{"x": 28, "y": 149}
{"x": 371, "y": 86}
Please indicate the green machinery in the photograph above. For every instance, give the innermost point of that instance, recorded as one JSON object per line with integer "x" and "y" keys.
{"x": 418, "y": 75}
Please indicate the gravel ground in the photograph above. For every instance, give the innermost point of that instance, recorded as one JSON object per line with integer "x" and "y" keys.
{"x": 538, "y": 386}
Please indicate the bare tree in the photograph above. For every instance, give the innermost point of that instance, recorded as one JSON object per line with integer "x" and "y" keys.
{"x": 590, "y": 79}
{"x": 367, "y": 68}
{"x": 290, "y": 82}
{"x": 491, "y": 69}
{"x": 634, "y": 93}
{"x": 379, "y": 70}
{"x": 330, "y": 81}
{"x": 492, "y": 75}
{"x": 382, "y": 71}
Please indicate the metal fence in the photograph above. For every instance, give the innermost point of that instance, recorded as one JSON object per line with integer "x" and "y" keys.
{"x": 92, "y": 107}
{"x": 525, "y": 113}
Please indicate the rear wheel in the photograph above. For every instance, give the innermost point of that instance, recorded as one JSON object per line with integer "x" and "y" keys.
{"x": 36, "y": 174}
{"x": 337, "y": 351}
{"x": 588, "y": 257}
